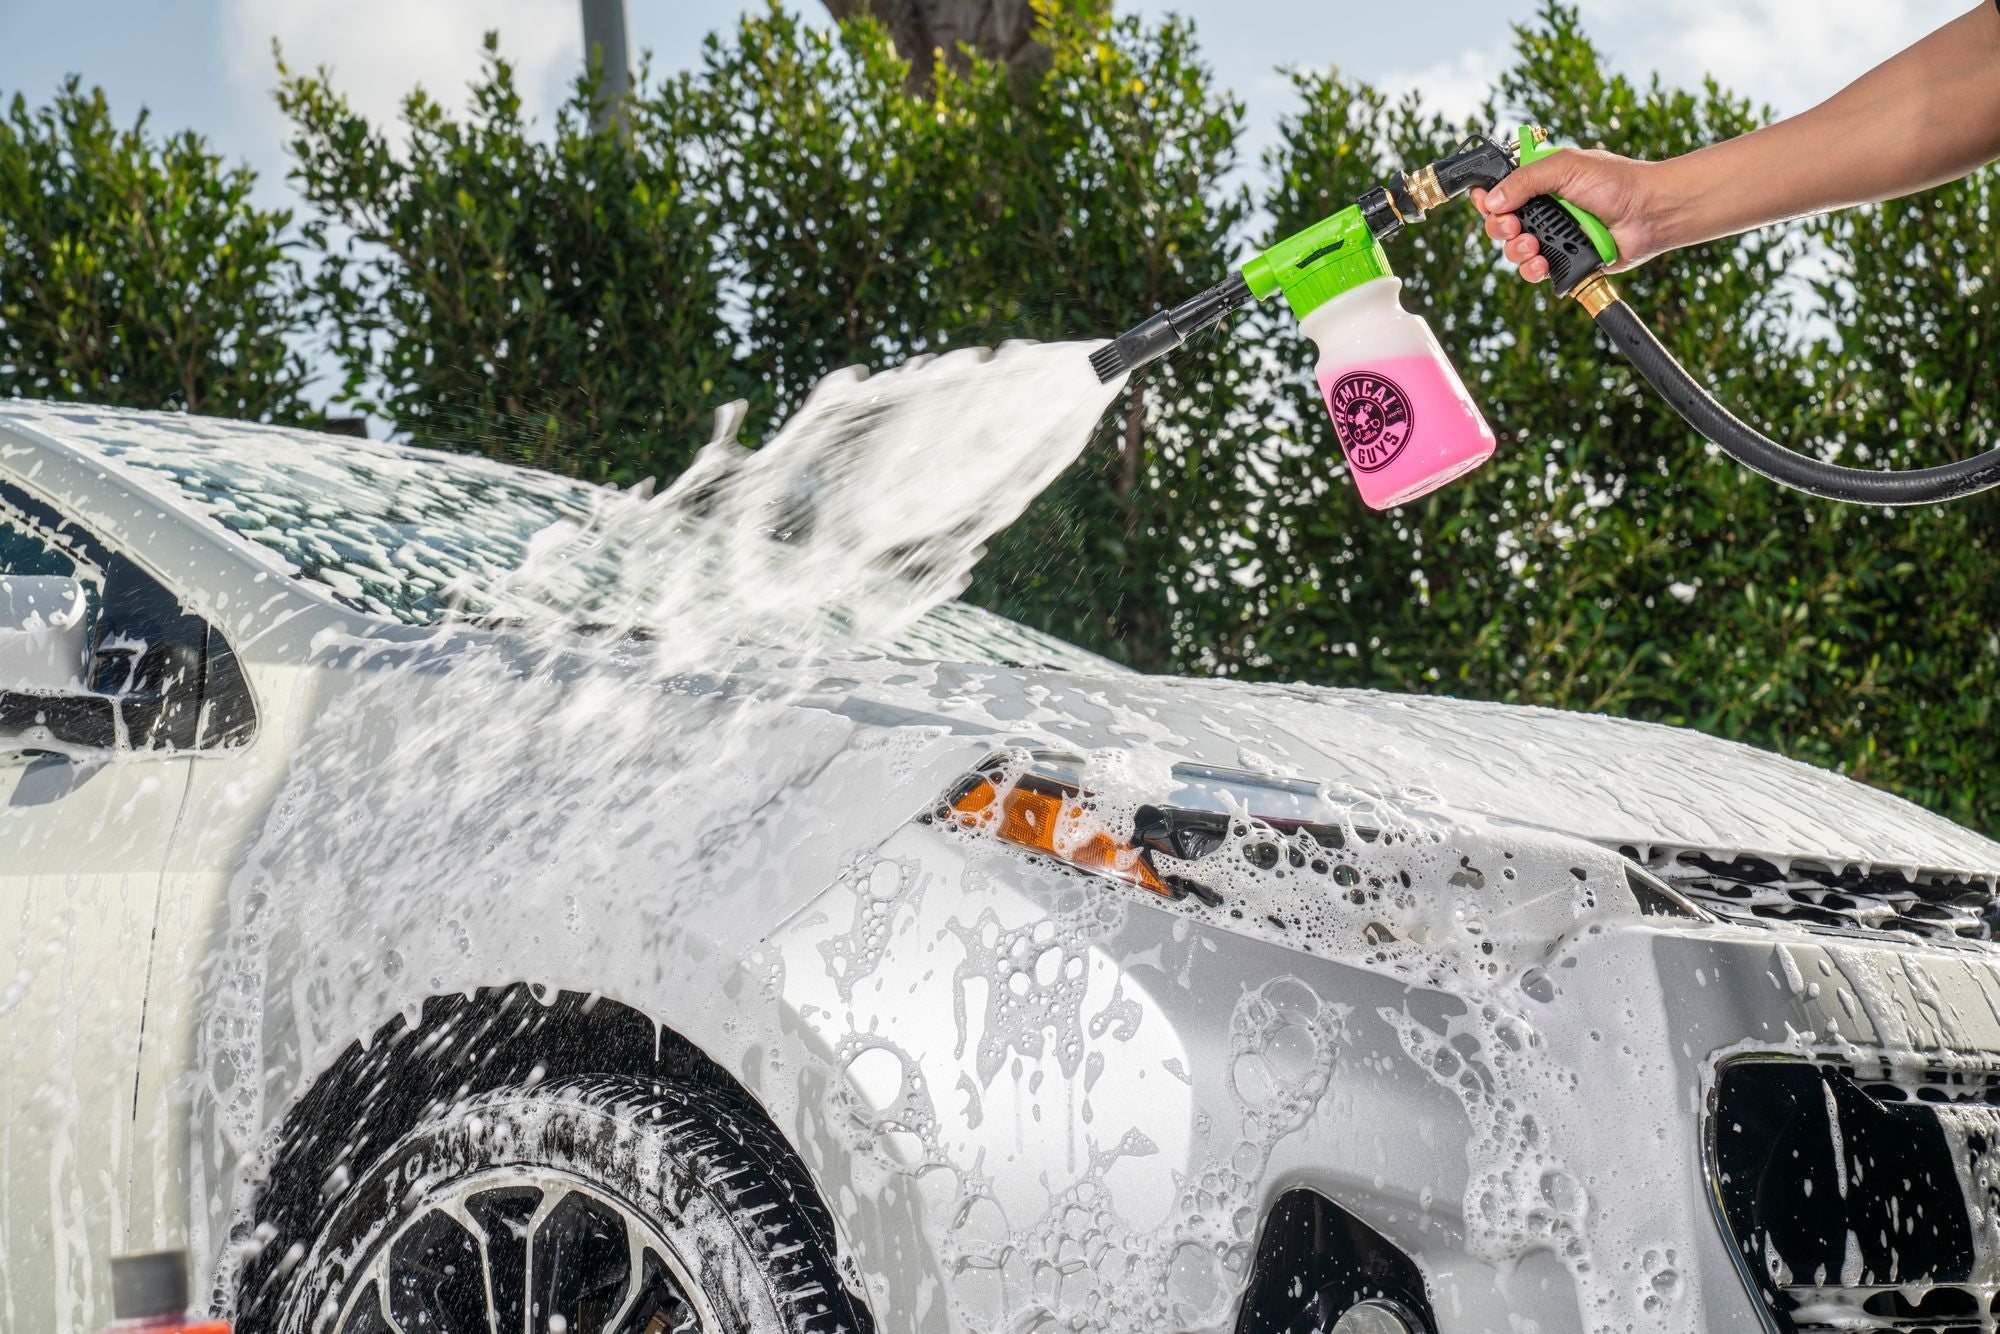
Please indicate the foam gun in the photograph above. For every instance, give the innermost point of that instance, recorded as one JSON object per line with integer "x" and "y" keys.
{"x": 1403, "y": 416}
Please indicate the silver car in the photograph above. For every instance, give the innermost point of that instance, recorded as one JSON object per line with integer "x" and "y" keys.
{"x": 419, "y": 968}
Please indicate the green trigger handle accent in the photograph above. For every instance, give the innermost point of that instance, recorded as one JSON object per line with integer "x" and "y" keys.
{"x": 1533, "y": 149}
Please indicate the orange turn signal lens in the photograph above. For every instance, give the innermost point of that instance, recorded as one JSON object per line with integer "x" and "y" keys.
{"x": 1049, "y": 823}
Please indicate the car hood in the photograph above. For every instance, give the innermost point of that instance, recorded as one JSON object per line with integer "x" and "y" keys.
{"x": 1611, "y": 781}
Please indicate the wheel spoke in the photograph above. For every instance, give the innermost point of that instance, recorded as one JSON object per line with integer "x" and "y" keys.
{"x": 503, "y": 1217}
{"x": 436, "y": 1281}
{"x": 582, "y": 1267}
{"x": 658, "y": 1306}
{"x": 365, "y": 1316}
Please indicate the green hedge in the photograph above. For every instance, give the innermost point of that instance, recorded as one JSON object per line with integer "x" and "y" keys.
{"x": 136, "y": 272}
{"x": 550, "y": 298}
{"x": 579, "y": 299}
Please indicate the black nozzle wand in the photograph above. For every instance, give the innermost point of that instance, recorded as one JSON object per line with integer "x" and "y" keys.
{"x": 1168, "y": 329}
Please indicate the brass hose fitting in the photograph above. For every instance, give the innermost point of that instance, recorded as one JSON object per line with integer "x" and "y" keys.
{"x": 1424, "y": 188}
{"x": 1595, "y": 293}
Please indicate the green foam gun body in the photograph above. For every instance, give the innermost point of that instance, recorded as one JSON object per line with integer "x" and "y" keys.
{"x": 1403, "y": 416}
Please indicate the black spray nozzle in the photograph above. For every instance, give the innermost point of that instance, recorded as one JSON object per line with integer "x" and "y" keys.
{"x": 1168, "y": 329}
{"x": 1404, "y": 199}
{"x": 1571, "y": 252}
{"x": 1477, "y": 162}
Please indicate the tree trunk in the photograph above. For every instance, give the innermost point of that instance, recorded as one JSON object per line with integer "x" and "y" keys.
{"x": 1002, "y": 30}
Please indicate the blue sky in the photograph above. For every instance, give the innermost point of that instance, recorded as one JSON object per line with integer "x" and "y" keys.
{"x": 206, "y": 64}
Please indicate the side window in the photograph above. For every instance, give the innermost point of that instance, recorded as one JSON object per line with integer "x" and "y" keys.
{"x": 30, "y": 548}
{"x": 161, "y": 678}
{"x": 24, "y": 552}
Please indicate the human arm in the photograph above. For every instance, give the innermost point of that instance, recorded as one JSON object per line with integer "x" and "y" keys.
{"x": 1928, "y": 115}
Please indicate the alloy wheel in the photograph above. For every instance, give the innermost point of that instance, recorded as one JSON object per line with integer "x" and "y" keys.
{"x": 509, "y": 1252}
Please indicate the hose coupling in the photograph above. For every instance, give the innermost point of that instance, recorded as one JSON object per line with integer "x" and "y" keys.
{"x": 1423, "y": 187}
{"x": 1382, "y": 214}
{"x": 1595, "y": 293}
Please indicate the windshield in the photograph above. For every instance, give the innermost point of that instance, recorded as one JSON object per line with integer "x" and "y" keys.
{"x": 385, "y": 531}
{"x": 417, "y": 537}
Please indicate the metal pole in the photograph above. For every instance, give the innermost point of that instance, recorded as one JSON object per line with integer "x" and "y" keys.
{"x": 604, "y": 45}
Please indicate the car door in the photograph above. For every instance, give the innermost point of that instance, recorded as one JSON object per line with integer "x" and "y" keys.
{"x": 91, "y": 790}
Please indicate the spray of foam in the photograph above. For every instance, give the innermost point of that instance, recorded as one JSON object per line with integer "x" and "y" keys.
{"x": 867, "y": 509}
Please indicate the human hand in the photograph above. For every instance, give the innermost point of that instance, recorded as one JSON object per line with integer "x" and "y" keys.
{"x": 1622, "y": 192}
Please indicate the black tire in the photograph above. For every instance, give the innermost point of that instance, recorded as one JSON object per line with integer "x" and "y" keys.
{"x": 635, "y": 1206}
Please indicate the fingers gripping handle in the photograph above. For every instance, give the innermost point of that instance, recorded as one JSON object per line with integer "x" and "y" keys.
{"x": 1574, "y": 243}
{"x": 1571, "y": 255}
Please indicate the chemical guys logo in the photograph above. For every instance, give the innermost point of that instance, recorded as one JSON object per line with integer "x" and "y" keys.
{"x": 1372, "y": 417}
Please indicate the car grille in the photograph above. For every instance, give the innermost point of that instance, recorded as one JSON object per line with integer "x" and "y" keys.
{"x": 1858, "y": 1201}
{"x": 1805, "y": 894}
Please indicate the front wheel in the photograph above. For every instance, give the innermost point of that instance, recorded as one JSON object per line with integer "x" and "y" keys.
{"x": 594, "y": 1206}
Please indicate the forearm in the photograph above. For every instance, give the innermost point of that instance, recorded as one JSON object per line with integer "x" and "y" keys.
{"x": 1924, "y": 117}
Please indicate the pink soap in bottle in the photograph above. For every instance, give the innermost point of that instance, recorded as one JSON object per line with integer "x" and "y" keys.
{"x": 1402, "y": 414}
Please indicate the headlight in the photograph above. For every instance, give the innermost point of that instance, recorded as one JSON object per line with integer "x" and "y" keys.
{"x": 1047, "y": 817}
{"x": 1039, "y": 801}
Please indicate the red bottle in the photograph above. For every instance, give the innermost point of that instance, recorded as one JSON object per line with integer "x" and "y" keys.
{"x": 149, "y": 1295}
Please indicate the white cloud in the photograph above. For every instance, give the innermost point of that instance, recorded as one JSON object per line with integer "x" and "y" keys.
{"x": 379, "y": 50}
{"x": 1789, "y": 54}
{"x": 1454, "y": 87}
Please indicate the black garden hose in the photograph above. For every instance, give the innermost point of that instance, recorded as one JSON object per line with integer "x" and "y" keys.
{"x": 1759, "y": 453}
